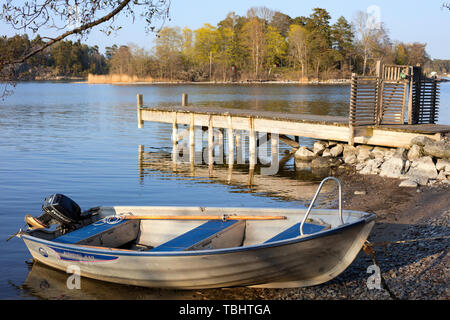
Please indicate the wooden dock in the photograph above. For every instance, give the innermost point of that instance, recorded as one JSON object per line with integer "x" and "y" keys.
{"x": 321, "y": 127}
{"x": 377, "y": 108}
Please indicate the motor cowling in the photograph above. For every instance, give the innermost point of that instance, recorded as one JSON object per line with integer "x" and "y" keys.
{"x": 62, "y": 209}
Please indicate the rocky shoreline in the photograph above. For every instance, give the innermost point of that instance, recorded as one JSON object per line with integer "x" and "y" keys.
{"x": 425, "y": 162}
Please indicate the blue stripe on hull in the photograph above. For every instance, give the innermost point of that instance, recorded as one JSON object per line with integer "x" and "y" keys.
{"x": 79, "y": 256}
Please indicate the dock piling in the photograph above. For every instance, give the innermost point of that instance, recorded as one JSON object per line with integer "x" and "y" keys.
{"x": 140, "y": 104}
{"x": 210, "y": 144}
{"x": 184, "y": 100}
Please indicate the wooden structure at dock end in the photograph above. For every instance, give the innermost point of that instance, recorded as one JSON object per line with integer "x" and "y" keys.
{"x": 396, "y": 91}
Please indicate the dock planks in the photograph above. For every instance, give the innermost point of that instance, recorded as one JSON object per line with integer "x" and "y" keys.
{"x": 323, "y": 127}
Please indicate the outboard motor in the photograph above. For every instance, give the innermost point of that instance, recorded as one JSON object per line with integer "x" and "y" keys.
{"x": 60, "y": 208}
{"x": 63, "y": 209}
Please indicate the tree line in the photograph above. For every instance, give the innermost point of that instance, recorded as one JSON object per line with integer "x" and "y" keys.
{"x": 65, "y": 58}
{"x": 262, "y": 45}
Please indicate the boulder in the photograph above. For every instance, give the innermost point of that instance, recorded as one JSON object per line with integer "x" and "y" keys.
{"x": 421, "y": 140}
{"x": 363, "y": 154}
{"x": 400, "y": 153}
{"x": 443, "y": 164}
{"x": 360, "y": 166}
{"x": 348, "y": 150}
{"x": 372, "y": 166}
{"x": 442, "y": 175}
{"x": 363, "y": 147}
{"x": 326, "y": 153}
{"x": 422, "y": 169}
{"x": 392, "y": 168}
{"x": 389, "y": 154}
{"x": 319, "y": 147}
{"x": 438, "y": 149}
{"x": 337, "y": 150}
{"x": 331, "y": 144}
{"x": 304, "y": 154}
{"x": 378, "y": 153}
{"x": 422, "y": 181}
{"x": 415, "y": 152}
{"x": 350, "y": 158}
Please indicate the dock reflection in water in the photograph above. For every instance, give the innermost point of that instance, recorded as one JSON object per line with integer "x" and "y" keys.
{"x": 297, "y": 182}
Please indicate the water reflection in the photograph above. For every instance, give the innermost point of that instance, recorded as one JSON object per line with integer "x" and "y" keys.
{"x": 321, "y": 107}
{"x": 289, "y": 183}
{"x": 46, "y": 283}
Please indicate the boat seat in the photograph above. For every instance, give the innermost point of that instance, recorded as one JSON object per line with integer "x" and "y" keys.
{"x": 103, "y": 234}
{"x": 294, "y": 231}
{"x": 199, "y": 237}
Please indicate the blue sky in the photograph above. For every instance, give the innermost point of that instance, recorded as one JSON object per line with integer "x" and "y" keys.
{"x": 408, "y": 21}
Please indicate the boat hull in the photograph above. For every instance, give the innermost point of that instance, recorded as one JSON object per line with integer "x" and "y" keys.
{"x": 297, "y": 262}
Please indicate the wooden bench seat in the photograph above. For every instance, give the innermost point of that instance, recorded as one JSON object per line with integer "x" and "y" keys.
{"x": 201, "y": 236}
{"x": 294, "y": 231}
{"x": 103, "y": 234}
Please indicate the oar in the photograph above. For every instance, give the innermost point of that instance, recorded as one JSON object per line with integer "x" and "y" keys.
{"x": 223, "y": 217}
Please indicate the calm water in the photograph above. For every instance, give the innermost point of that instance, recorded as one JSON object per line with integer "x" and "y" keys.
{"x": 82, "y": 140}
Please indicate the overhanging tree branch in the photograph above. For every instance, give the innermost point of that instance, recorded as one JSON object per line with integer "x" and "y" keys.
{"x": 78, "y": 30}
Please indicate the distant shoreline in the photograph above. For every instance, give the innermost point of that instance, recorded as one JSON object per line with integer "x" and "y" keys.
{"x": 328, "y": 82}
{"x": 78, "y": 80}
{"x": 123, "y": 79}
{"x": 178, "y": 82}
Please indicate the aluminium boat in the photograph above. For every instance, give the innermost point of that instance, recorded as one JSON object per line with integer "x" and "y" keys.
{"x": 199, "y": 247}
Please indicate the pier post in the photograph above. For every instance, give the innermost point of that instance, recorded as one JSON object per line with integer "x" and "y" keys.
{"x": 410, "y": 95}
{"x": 252, "y": 144}
{"x": 274, "y": 164}
{"x": 184, "y": 100}
{"x": 230, "y": 142}
{"x": 230, "y": 157}
{"x": 239, "y": 149}
{"x": 191, "y": 140}
{"x": 210, "y": 144}
{"x": 351, "y": 135}
{"x": 274, "y": 149}
{"x": 140, "y": 103}
{"x": 174, "y": 139}
{"x": 219, "y": 159}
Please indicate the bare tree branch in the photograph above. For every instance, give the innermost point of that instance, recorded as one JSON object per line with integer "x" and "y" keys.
{"x": 68, "y": 33}
{"x": 35, "y": 15}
